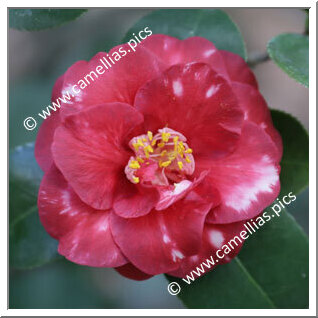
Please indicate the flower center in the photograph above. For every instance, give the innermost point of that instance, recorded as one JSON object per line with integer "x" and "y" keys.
{"x": 159, "y": 159}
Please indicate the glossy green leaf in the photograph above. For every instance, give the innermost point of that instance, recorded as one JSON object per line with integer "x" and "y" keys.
{"x": 271, "y": 271}
{"x": 291, "y": 53}
{"x": 295, "y": 162}
{"x": 40, "y": 19}
{"x": 30, "y": 245}
{"x": 214, "y": 25}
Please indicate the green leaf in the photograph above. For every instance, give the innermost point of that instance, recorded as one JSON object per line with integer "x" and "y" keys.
{"x": 40, "y": 19}
{"x": 295, "y": 162}
{"x": 271, "y": 271}
{"x": 25, "y": 176}
{"x": 214, "y": 25}
{"x": 30, "y": 245}
{"x": 291, "y": 53}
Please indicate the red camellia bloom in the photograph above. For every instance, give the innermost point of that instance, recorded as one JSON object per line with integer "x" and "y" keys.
{"x": 158, "y": 163}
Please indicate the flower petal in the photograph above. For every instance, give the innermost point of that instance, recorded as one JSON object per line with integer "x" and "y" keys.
{"x": 256, "y": 110}
{"x": 169, "y": 195}
{"x": 133, "y": 200}
{"x": 83, "y": 232}
{"x": 89, "y": 149}
{"x": 130, "y": 271}
{"x": 157, "y": 242}
{"x": 118, "y": 83}
{"x": 238, "y": 69}
{"x": 173, "y": 51}
{"x": 195, "y": 101}
{"x": 44, "y": 137}
{"x": 247, "y": 180}
{"x": 215, "y": 236}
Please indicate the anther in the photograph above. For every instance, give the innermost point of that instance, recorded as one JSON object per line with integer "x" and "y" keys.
{"x": 135, "y": 179}
{"x": 165, "y": 136}
{"x": 134, "y": 164}
{"x": 165, "y": 163}
{"x": 150, "y": 136}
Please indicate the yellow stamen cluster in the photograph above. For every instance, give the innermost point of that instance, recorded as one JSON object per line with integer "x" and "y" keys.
{"x": 138, "y": 144}
{"x": 179, "y": 149}
{"x": 147, "y": 145}
{"x": 165, "y": 136}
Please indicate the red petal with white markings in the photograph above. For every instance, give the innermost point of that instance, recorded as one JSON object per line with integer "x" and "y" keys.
{"x": 157, "y": 242}
{"x": 83, "y": 232}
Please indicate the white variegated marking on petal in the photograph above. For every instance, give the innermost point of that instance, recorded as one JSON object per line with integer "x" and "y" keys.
{"x": 166, "y": 238}
{"x": 245, "y": 193}
{"x": 177, "y": 88}
{"x": 211, "y": 91}
{"x": 176, "y": 254}
{"x": 208, "y": 53}
{"x": 181, "y": 186}
{"x": 65, "y": 210}
{"x": 216, "y": 238}
{"x": 263, "y": 125}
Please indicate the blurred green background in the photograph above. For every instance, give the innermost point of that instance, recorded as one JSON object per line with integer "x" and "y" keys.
{"x": 36, "y": 59}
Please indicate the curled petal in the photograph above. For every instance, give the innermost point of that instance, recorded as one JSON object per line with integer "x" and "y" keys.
{"x": 237, "y": 69}
{"x": 84, "y": 233}
{"x": 173, "y": 51}
{"x": 157, "y": 242}
{"x": 202, "y": 107}
{"x": 248, "y": 179}
{"x": 221, "y": 241}
{"x": 90, "y": 149}
{"x": 133, "y": 200}
{"x": 130, "y": 271}
{"x": 44, "y": 138}
{"x": 256, "y": 110}
{"x": 118, "y": 83}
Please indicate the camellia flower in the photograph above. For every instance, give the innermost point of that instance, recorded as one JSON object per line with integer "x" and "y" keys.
{"x": 158, "y": 163}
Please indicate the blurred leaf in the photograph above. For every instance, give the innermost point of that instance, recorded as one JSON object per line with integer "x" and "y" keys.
{"x": 24, "y": 179}
{"x": 30, "y": 245}
{"x": 40, "y": 19}
{"x": 295, "y": 162}
{"x": 214, "y": 25}
{"x": 300, "y": 210}
{"x": 291, "y": 53}
{"x": 271, "y": 271}
{"x": 61, "y": 285}
{"x": 24, "y": 104}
